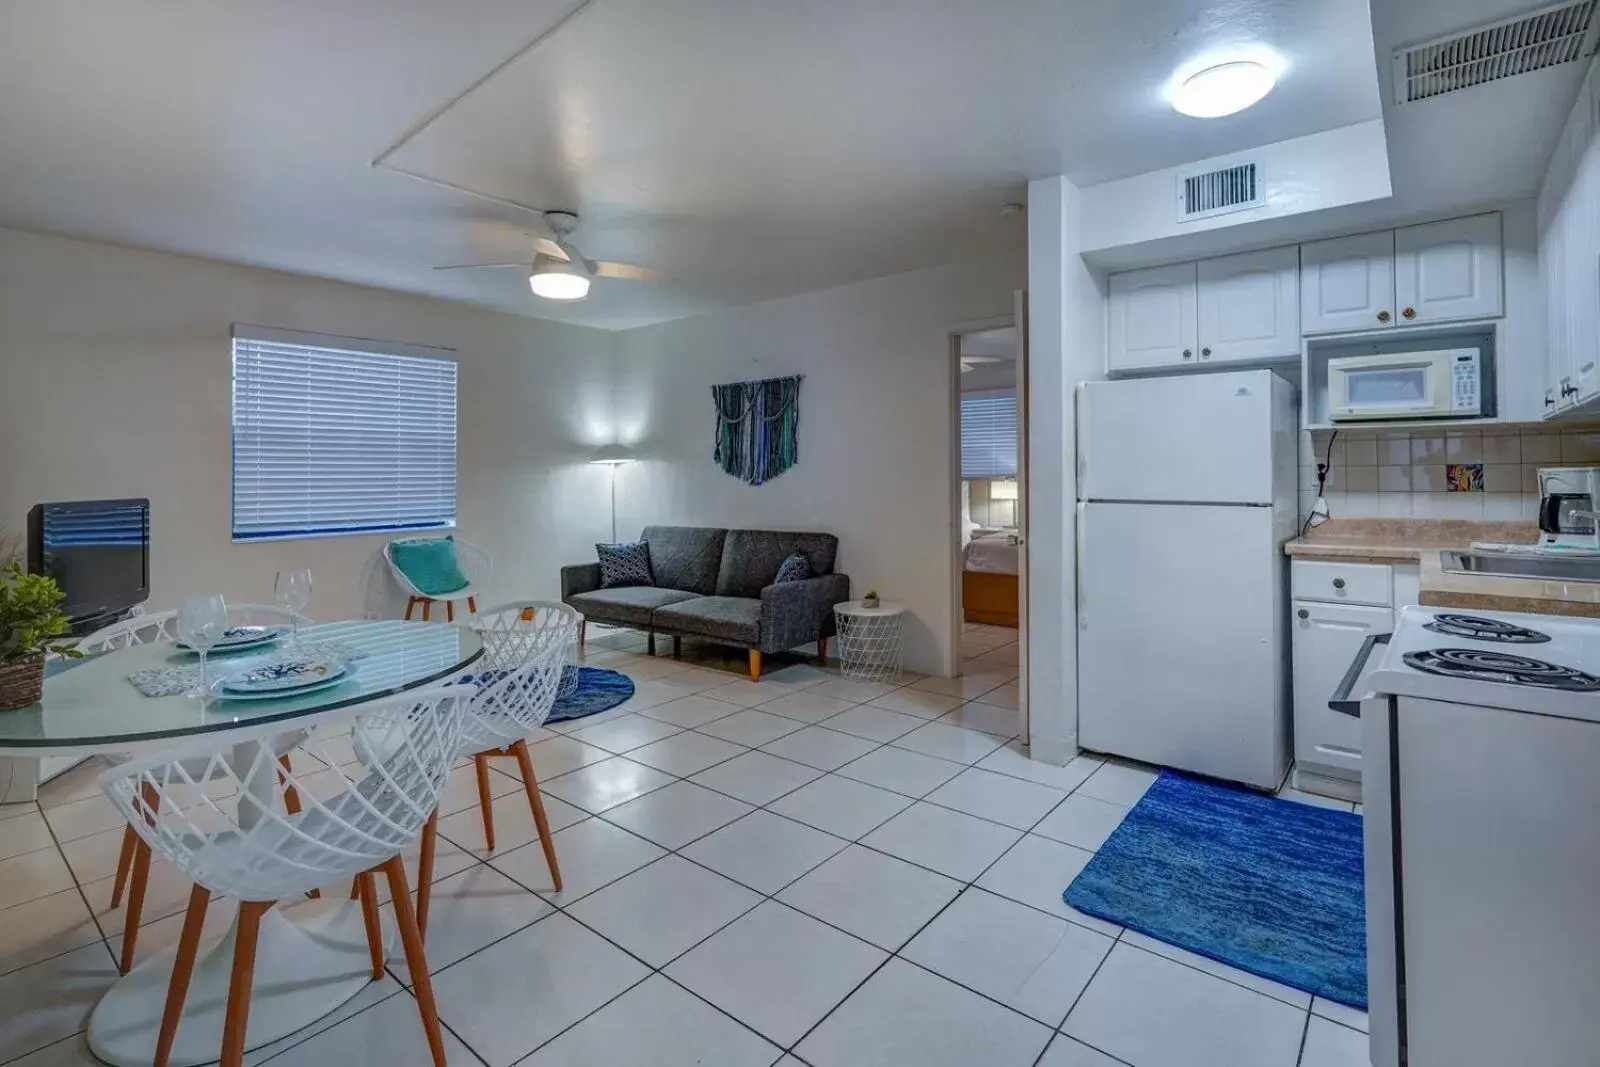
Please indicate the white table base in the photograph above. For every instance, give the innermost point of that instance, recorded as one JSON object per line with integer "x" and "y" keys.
{"x": 304, "y": 970}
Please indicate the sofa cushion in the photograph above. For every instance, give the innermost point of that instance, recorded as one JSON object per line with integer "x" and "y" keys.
{"x": 429, "y": 564}
{"x": 723, "y": 618}
{"x": 624, "y": 563}
{"x": 631, "y": 604}
{"x": 685, "y": 557}
{"x": 794, "y": 568}
{"x": 751, "y": 558}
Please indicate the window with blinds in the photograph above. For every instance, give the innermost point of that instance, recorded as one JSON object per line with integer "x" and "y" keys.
{"x": 989, "y": 434}
{"x": 339, "y": 436}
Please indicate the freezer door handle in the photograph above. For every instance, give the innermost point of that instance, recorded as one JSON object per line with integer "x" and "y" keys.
{"x": 1341, "y": 701}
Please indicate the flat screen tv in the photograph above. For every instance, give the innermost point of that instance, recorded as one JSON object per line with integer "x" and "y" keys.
{"x": 98, "y": 551}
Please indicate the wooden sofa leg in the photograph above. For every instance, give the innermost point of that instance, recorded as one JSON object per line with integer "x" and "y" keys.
{"x": 822, "y": 651}
{"x": 677, "y": 647}
{"x": 583, "y": 634}
{"x": 755, "y": 665}
{"x": 650, "y": 644}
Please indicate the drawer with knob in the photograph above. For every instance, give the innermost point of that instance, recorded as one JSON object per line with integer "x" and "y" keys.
{"x": 1346, "y": 583}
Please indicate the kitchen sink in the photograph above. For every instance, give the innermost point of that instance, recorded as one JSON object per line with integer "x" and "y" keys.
{"x": 1559, "y": 568}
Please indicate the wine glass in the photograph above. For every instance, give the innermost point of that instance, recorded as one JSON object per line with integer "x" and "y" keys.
{"x": 293, "y": 590}
{"x": 201, "y": 622}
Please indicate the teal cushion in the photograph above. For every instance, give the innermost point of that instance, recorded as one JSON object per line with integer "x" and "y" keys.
{"x": 429, "y": 563}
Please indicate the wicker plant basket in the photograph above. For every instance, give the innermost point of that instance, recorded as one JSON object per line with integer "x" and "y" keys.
{"x": 22, "y": 681}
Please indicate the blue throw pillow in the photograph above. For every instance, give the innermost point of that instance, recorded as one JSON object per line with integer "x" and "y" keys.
{"x": 429, "y": 563}
{"x": 624, "y": 563}
{"x": 795, "y": 568}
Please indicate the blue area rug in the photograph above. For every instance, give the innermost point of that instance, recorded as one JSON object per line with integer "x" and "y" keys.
{"x": 1270, "y": 886}
{"x": 598, "y": 690}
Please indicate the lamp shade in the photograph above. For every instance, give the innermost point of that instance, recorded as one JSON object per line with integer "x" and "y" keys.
{"x": 611, "y": 454}
{"x": 1006, "y": 490}
{"x": 556, "y": 279}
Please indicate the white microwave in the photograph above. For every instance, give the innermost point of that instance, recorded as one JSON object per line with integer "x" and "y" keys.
{"x": 1441, "y": 384}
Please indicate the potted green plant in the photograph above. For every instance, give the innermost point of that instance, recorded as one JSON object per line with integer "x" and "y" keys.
{"x": 870, "y": 599}
{"x": 30, "y": 622}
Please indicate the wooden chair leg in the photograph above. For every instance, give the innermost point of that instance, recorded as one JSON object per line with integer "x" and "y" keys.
{"x": 416, "y": 962}
{"x": 139, "y": 877}
{"x": 291, "y": 801}
{"x": 237, "y": 1018}
{"x": 130, "y": 841}
{"x": 755, "y": 665}
{"x": 822, "y": 651}
{"x": 411, "y": 603}
{"x": 485, "y": 802}
{"x": 182, "y": 970}
{"x": 430, "y": 841}
{"x": 472, "y": 604}
{"x": 536, "y": 802}
{"x": 450, "y": 611}
{"x": 583, "y": 634}
{"x": 369, "y": 913}
{"x": 426, "y": 606}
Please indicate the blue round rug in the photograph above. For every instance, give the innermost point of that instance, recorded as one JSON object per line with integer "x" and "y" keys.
{"x": 598, "y": 690}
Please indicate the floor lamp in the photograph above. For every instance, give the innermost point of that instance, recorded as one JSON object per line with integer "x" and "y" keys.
{"x": 612, "y": 456}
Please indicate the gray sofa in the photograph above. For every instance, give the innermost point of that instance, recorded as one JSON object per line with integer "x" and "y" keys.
{"x": 717, "y": 584}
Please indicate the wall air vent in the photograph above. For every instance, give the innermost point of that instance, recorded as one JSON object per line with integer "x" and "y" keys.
{"x": 1549, "y": 36}
{"x": 1203, "y": 194}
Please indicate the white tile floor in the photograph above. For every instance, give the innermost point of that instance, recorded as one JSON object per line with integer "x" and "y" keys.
{"x": 807, "y": 872}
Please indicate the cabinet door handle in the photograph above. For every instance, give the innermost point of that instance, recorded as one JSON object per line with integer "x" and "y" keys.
{"x": 1568, "y": 390}
{"x": 1205, "y": 353}
{"x": 1338, "y": 583}
{"x": 1383, "y": 316}
{"x": 1409, "y": 313}
{"x": 1549, "y": 401}
{"x": 1188, "y": 353}
{"x": 1303, "y": 613}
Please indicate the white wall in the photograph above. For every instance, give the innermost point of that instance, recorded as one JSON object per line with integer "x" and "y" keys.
{"x": 1066, "y": 346}
{"x": 115, "y": 381}
{"x": 876, "y": 427}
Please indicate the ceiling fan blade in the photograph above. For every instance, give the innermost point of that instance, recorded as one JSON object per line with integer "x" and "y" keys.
{"x": 486, "y": 266}
{"x": 549, "y": 248}
{"x": 607, "y": 269}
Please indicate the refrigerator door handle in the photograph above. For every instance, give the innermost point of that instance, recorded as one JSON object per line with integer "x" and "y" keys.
{"x": 1078, "y": 589}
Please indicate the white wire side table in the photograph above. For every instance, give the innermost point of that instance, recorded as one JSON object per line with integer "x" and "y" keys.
{"x": 869, "y": 640}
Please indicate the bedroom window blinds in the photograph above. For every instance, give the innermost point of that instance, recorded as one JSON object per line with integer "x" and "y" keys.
{"x": 989, "y": 434}
{"x": 339, "y": 436}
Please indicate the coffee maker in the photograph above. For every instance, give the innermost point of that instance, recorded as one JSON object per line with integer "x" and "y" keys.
{"x": 1569, "y": 499}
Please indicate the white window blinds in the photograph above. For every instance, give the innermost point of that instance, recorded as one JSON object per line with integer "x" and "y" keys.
{"x": 338, "y": 436}
{"x": 989, "y": 434}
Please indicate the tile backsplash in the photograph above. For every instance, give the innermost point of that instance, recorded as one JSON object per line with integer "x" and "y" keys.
{"x": 1485, "y": 473}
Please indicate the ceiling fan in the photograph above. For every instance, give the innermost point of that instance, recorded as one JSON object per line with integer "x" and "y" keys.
{"x": 557, "y": 270}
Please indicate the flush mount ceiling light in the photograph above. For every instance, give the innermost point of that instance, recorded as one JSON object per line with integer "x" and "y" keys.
{"x": 556, "y": 279}
{"x": 1223, "y": 89}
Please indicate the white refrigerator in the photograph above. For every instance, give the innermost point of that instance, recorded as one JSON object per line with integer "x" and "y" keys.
{"x": 1187, "y": 493}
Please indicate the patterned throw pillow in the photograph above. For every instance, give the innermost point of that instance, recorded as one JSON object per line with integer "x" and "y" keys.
{"x": 795, "y": 568}
{"x": 624, "y": 563}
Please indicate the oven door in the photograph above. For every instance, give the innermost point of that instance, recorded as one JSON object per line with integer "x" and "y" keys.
{"x": 1389, "y": 387}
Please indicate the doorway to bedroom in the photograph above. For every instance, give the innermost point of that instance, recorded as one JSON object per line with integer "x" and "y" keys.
{"x": 990, "y": 510}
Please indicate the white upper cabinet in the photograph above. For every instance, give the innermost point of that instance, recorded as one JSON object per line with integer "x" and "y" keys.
{"x": 1569, "y": 258}
{"x": 1450, "y": 270}
{"x": 1347, "y": 283}
{"x": 1151, "y": 318}
{"x": 1250, "y": 306}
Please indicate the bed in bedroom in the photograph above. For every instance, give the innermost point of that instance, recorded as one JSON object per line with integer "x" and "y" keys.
{"x": 989, "y": 578}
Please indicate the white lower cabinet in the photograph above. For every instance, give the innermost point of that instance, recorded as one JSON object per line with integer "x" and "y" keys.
{"x": 1329, "y": 631}
{"x": 1327, "y": 638}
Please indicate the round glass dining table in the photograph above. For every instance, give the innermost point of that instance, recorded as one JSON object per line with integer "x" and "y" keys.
{"x": 307, "y": 965}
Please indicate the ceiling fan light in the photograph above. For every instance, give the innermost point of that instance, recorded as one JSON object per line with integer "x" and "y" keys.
{"x": 556, "y": 279}
{"x": 1223, "y": 89}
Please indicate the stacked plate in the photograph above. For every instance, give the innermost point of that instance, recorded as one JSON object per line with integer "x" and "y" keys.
{"x": 238, "y": 638}
{"x": 291, "y": 677}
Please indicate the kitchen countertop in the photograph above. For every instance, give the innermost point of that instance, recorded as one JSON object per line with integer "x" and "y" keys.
{"x": 1421, "y": 541}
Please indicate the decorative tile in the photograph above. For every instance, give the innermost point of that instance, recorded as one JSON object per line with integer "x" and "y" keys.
{"x": 1464, "y": 477}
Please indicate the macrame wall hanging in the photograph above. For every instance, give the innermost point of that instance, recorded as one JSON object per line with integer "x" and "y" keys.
{"x": 757, "y": 428}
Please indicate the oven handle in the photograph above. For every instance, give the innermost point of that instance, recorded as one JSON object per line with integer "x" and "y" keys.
{"x": 1341, "y": 701}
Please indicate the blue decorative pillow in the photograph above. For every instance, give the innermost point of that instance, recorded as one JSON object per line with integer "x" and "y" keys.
{"x": 429, "y": 563}
{"x": 795, "y": 568}
{"x": 624, "y": 563}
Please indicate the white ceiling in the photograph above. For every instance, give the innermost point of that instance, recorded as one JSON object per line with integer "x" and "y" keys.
{"x": 750, "y": 148}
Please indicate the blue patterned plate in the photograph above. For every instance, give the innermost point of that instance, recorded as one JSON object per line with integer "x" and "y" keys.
{"x": 220, "y": 690}
{"x": 283, "y": 676}
{"x": 240, "y": 637}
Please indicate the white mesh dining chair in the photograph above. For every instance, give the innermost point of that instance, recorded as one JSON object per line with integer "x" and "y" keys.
{"x": 525, "y": 646}
{"x": 475, "y": 568}
{"x": 133, "y": 861}
{"x": 252, "y": 849}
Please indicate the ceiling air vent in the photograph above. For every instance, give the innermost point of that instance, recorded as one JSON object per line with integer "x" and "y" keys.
{"x": 1217, "y": 192}
{"x": 1552, "y": 35}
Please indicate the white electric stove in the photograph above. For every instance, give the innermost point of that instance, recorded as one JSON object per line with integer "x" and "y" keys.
{"x": 1481, "y": 791}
